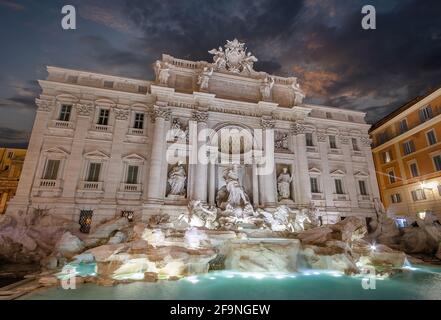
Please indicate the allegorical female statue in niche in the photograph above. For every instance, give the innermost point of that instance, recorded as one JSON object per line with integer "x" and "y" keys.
{"x": 284, "y": 184}
{"x": 177, "y": 179}
{"x": 236, "y": 195}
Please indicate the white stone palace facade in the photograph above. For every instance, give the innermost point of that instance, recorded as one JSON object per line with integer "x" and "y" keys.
{"x": 99, "y": 145}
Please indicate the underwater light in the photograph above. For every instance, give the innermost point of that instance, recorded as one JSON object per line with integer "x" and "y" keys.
{"x": 130, "y": 276}
{"x": 373, "y": 247}
{"x": 259, "y": 276}
{"x": 193, "y": 279}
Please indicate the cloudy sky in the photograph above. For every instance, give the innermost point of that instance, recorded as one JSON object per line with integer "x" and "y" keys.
{"x": 320, "y": 42}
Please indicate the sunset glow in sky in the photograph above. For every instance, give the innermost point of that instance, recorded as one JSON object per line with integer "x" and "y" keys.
{"x": 320, "y": 42}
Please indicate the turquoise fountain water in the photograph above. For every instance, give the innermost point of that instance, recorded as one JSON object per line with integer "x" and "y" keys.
{"x": 417, "y": 283}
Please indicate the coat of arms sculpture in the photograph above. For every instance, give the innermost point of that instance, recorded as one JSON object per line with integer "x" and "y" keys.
{"x": 234, "y": 58}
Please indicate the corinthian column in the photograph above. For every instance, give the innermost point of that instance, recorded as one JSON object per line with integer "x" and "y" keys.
{"x": 350, "y": 180}
{"x": 266, "y": 170}
{"x": 22, "y": 195}
{"x": 156, "y": 180}
{"x": 200, "y": 181}
{"x": 327, "y": 180}
{"x": 301, "y": 158}
{"x": 74, "y": 162}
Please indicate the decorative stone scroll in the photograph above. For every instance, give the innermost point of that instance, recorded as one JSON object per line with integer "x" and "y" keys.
{"x": 84, "y": 109}
{"x": 267, "y": 122}
{"x": 297, "y": 128}
{"x": 43, "y": 105}
{"x": 344, "y": 138}
{"x": 366, "y": 141}
{"x": 200, "y": 116}
{"x": 160, "y": 112}
{"x": 121, "y": 114}
{"x": 321, "y": 136}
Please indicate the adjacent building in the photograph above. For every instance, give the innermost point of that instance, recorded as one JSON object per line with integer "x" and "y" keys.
{"x": 11, "y": 163}
{"x": 100, "y": 144}
{"x": 407, "y": 155}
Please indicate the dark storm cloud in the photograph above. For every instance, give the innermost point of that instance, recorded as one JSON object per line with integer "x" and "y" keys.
{"x": 374, "y": 65}
{"x": 23, "y": 95}
{"x": 108, "y": 58}
{"x": 13, "y": 138}
{"x": 189, "y": 28}
{"x": 320, "y": 42}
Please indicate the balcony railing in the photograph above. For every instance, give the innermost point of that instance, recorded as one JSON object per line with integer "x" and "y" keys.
{"x": 128, "y": 187}
{"x": 91, "y": 185}
{"x": 334, "y": 151}
{"x": 364, "y": 197}
{"x": 317, "y": 196}
{"x": 62, "y": 124}
{"x": 136, "y": 132}
{"x": 49, "y": 184}
{"x": 341, "y": 197}
{"x": 102, "y": 128}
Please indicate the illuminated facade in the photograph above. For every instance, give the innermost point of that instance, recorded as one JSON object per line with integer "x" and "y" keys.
{"x": 99, "y": 143}
{"x": 407, "y": 155}
{"x": 11, "y": 163}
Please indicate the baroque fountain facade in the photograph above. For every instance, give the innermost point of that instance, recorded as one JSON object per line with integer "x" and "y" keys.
{"x": 209, "y": 166}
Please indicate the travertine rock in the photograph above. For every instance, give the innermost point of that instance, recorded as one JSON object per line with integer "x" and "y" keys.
{"x": 315, "y": 236}
{"x": 348, "y": 230}
{"x": 328, "y": 259}
{"x": 69, "y": 245}
{"x": 105, "y": 252}
{"x": 105, "y": 230}
{"x": 419, "y": 240}
{"x": 262, "y": 255}
{"x": 48, "y": 281}
{"x": 119, "y": 237}
{"x": 84, "y": 258}
{"x": 438, "y": 253}
{"x": 49, "y": 262}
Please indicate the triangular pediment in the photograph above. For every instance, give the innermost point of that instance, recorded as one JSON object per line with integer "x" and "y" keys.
{"x": 338, "y": 172}
{"x": 56, "y": 151}
{"x": 361, "y": 174}
{"x": 314, "y": 170}
{"x": 134, "y": 158}
{"x": 96, "y": 154}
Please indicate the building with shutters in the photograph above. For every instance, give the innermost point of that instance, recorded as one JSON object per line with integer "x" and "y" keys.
{"x": 407, "y": 155}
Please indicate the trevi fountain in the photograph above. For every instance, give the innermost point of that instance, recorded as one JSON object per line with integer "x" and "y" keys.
{"x": 212, "y": 230}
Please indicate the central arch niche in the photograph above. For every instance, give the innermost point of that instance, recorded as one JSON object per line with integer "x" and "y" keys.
{"x": 233, "y": 144}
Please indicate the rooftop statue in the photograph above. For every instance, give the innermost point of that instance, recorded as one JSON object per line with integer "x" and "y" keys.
{"x": 234, "y": 58}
